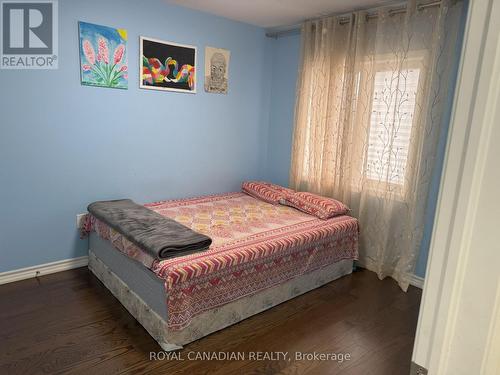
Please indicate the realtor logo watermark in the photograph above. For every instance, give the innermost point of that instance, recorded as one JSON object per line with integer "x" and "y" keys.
{"x": 29, "y": 34}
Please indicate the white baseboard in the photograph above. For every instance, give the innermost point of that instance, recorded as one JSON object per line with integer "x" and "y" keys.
{"x": 43, "y": 269}
{"x": 68, "y": 264}
{"x": 417, "y": 281}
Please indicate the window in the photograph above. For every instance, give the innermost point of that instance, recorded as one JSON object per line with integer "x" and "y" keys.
{"x": 391, "y": 120}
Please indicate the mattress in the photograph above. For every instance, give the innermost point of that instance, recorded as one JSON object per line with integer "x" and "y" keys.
{"x": 256, "y": 245}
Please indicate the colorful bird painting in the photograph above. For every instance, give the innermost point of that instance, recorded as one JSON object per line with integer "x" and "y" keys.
{"x": 167, "y": 66}
{"x": 153, "y": 71}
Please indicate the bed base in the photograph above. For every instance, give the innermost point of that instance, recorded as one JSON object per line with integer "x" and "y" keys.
{"x": 216, "y": 318}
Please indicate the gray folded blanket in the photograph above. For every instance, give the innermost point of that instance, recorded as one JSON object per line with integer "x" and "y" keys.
{"x": 160, "y": 236}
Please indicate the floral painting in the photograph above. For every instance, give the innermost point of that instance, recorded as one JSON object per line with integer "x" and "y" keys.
{"x": 167, "y": 66}
{"x": 103, "y": 56}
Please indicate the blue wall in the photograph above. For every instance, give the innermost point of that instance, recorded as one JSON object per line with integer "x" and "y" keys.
{"x": 438, "y": 168}
{"x": 63, "y": 145}
{"x": 285, "y": 53}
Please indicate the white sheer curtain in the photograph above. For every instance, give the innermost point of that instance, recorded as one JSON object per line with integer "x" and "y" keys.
{"x": 371, "y": 98}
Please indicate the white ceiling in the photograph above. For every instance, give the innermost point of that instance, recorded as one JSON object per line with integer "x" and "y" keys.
{"x": 275, "y": 13}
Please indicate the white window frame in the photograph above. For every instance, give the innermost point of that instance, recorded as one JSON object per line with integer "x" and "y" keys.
{"x": 414, "y": 60}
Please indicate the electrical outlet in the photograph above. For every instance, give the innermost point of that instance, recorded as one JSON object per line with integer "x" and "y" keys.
{"x": 80, "y": 220}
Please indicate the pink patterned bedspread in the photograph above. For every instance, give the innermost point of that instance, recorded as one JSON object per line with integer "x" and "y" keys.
{"x": 256, "y": 245}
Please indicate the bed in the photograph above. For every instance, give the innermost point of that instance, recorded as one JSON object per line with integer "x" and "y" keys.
{"x": 261, "y": 255}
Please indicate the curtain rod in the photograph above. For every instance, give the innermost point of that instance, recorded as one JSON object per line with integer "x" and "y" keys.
{"x": 345, "y": 19}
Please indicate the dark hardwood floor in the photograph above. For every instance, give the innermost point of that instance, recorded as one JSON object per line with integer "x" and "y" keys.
{"x": 70, "y": 323}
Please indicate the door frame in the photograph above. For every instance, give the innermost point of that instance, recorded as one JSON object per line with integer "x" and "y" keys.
{"x": 475, "y": 113}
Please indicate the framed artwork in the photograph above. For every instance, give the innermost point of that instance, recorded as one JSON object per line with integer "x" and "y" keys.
{"x": 167, "y": 66}
{"x": 216, "y": 70}
{"x": 103, "y": 56}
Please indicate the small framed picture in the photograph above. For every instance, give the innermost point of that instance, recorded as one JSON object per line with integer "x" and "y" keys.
{"x": 216, "y": 70}
{"x": 167, "y": 66}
